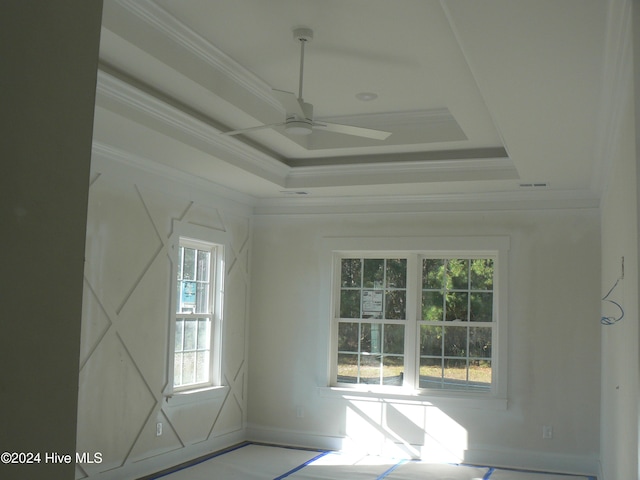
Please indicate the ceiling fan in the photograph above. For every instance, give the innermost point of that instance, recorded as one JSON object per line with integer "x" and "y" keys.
{"x": 299, "y": 114}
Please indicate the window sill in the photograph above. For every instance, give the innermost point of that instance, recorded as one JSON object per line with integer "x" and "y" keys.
{"x": 415, "y": 397}
{"x": 206, "y": 394}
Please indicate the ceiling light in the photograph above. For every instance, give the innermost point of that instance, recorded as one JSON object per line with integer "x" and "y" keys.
{"x": 366, "y": 96}
{"x": 298, "y": 127}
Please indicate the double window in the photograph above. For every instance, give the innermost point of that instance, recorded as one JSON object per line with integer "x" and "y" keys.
{"x": 427, "y": 321}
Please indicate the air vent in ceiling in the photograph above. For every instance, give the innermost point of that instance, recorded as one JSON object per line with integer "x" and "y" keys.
{"x": 535, "y": 185}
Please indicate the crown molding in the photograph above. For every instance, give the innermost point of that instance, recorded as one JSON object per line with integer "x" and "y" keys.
{"x": 169, "y": 26}
{"x": 103, "y": 155}
{"x": 455, "y": 202}
{"x": 424, "y": 171}
{"x": 224, "y": 147}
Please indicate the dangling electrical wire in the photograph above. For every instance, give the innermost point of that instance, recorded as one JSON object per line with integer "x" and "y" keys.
{"x": 610, "y": 320}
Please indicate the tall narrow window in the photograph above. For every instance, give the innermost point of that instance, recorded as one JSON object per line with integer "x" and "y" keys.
{"x": 198, "y": 312}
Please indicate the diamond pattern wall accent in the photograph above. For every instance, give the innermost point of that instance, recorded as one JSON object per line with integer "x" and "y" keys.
{"x": 126, "y": 320}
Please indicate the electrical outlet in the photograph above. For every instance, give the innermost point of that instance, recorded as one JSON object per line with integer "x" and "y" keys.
{"x": 547, "y": 431}
{"x": 300, "y": 412}
{"x": 158, "y": 429}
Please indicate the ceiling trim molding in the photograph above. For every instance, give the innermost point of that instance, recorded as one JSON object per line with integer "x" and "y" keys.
{"x": 459, "y": 202}
{"x": 168, "y": 119}
{"x": 207, "y": 137}
{"x": 425, "y": 171}
{"x": 102, "y": 151}
{"x": 169, "y": 26}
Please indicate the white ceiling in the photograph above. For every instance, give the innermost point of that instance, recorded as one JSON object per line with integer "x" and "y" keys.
{"x": 480, "y": 97}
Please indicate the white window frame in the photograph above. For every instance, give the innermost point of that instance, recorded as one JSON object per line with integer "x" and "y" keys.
{"x": 217, "y": 242}
{"x": 414, "y": 248}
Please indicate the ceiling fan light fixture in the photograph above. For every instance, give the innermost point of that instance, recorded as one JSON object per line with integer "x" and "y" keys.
{"x": 298, "y": 127}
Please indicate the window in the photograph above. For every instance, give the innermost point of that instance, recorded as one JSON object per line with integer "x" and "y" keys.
{"x": 199, "y": 275}
{"x": 428, "y": 321}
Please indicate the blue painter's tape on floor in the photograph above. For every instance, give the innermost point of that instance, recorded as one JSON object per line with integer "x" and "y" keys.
{"x": 391, "y": 469}
{"x": 300, "y": 467}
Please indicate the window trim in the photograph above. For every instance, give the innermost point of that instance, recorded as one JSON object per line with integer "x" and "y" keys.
{"x": 196, "y": 235}
{"x": 445, "y": 246}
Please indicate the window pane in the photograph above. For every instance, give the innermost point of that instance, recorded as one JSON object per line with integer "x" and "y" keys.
{"x": 458, "y": 273}
{"x": 188, "y": 297}
{"x": 347, "y": 368}
{"x": 348, "y": 337}
{"x": 455, "y": 341}
{"x": 202, "y": 367}
{"x": 457, "y": 306}
{"x": 188, "y": 368}
{"x": 350, "y": 272}
{"x": 179, "y": 331}
{"x": 394, "y": 339}
{"x": 180, "y": 260}
{"x": 395, "y": 304}
{"x": 480, "y": 342}
{"x": 430, "y": 340}
{"x": 373, "y": 273}
{"x": 372, "y": 303}
{"x": 397, "y": 273}
{"x": 189, "y": 264}
{"x": 480, "y": 374}
{"x": 392, "y": 371}
{"x": 190, "y": 327}
{"x": 432, "y": 273}
{"x": 430, "y": 373}
{"x": 177, "y": 369}
{"x": 202, "y": 297}
{"x": 204, "y": 333}
{"x": 455, "y": 373}
{"x": 482, "y": 274}
{"x": 349, "y": 304}
{"x": 371, "y": 339}
{"x": 481, "y": 307}
{"x": 204, "y": 260}
{"x": 432, "y": 306}
{"x": 370, "y": 369}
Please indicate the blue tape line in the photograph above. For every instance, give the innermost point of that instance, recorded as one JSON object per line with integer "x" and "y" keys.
{"x": 487, "y": 475}
{"x": 202, "y": 460}
{"x": 384, "y": 474}
{"x": 300, "y": 467}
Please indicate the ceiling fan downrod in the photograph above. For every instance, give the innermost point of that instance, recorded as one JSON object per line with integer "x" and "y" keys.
{"x": 302, "y": 35}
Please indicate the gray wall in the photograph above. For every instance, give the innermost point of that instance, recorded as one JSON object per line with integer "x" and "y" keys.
{"x": 49, "y": 54}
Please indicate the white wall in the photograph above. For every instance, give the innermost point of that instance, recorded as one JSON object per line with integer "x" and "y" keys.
{"x": 49, "y": 53}
{"x": 620, "y": 353}
{"x": 126, "y": 318}
{"x": 554, "y": 342}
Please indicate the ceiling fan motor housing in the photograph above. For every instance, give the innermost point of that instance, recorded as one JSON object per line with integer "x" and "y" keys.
{"x": 297, "y": 125}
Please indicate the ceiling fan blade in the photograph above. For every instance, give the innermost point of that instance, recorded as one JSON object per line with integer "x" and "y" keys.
{"x": 252, "y": 129}
{"x": 351, "y": 130}
{"x": 289, "y": 101}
